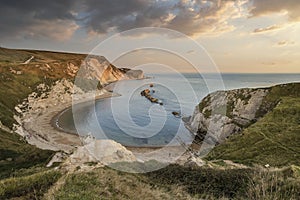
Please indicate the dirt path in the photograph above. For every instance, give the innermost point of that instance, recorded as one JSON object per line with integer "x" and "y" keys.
{"x": 28, "y": 61}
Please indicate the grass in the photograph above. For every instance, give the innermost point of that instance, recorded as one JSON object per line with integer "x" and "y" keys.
{"x": 14, "y": 88}
{"x": 16, "y": 154}
{"x": 274, "y": 185}
{"x": 106, "y": 183}
{"x": 28, "y": 187}
{"x": 203, "y": 182}
{"x": 178, "y": 182}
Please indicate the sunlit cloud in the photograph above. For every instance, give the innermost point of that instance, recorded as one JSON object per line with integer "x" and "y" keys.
{"x": 267, "y": 29}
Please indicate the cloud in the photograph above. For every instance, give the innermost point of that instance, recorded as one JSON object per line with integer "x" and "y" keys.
{"x": 264, "y": 7}
{"x": 55, "y": 29}
{"x": 57, "y": 19}
{"x": 285, "y": 43}
{"x": 190, "y": 17}
{"x": 39, "y": 19}
{"x": 282, "y": 43}
{"x": 267, "y": 29}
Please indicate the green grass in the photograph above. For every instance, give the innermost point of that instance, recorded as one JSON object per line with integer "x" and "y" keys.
{"x": 28, "y": 187}
{"x": 16, "y": 154}
{"x": 106, "y": 183}
{"x": 204, "y": 182}
{"x": 274, "y": 139}
{"x": 178, "y": 182}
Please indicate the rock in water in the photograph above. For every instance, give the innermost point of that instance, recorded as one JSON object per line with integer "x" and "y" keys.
{"x": 145, "y": 92}
{"x": 176, "y": 114}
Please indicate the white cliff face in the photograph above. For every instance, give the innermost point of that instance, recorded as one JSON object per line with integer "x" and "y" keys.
{"x": 36, "y": 112}
{"x": 100, "y": 69}
{"x": 224, "y": 113}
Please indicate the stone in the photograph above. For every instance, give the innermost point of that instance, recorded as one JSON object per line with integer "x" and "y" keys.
{"x": 176, "y": 114}
{"x": 229, "y": 112}
{"x": 102, "y": 151}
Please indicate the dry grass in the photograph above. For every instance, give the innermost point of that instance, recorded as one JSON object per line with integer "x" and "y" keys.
{"x": 105, "y": 183}
{"x": 28, "y": 187}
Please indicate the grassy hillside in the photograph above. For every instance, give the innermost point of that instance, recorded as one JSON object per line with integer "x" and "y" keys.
{"x": 172, "y": 182}
{"x": 15, "y": 154}
{"x": 18, "y": 80}
{"x": 177, "y": 182}
{"x": 274, "y": 139}
{"x": 28, "y": 187}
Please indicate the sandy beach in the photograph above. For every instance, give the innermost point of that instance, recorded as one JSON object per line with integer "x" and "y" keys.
{"x": 45, "y": 134}
{"x": 38, "y": 124}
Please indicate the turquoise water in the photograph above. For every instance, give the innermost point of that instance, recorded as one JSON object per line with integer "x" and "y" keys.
{"x": 132, "y": 120}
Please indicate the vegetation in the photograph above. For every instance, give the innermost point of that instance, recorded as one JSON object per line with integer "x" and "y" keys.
{"x": 24, "y": 163}
{"x": 28, "y": 187}
{"x": 106, "y": 183}
{"x": 204, "y": 103}
{"x": 203, "y": 182}
{"x": 18, "y": 80}
{"x": 16, "y": 154}
{"x": 177, "y": 182}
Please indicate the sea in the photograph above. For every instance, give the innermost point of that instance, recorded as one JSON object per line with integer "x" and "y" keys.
{"x": 133, "y": 120}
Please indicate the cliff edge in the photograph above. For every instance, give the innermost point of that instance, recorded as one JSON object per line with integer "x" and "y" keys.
{"x": 251, "y": 125}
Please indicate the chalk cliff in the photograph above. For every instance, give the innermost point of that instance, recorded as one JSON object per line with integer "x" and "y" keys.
{"x": 223, "y": 113}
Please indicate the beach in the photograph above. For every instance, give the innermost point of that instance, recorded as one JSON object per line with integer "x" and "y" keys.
{"x": 38, "y": 124}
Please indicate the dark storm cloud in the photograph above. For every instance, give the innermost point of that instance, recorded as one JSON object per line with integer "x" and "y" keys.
{"x": 27, "y": 18}
{"x": 122, "y": 15}
{"x": 189, "y": 17}
{"x": 59, "y": 19}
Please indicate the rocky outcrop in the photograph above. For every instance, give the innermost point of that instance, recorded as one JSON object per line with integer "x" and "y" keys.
{"x": 103, "y": 151}
{"x": 98, "y": 68}
{"x": 147, "y": 93}
{"x": 223, "y": 113}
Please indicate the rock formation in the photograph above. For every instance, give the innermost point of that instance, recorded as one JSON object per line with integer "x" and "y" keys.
{"x": 100, "y": 69}
{"x": 176, "y": 114}
{"x": 103, "y": 151}
{"x": 146, "y": 93}
{"x": 223, "y": 113}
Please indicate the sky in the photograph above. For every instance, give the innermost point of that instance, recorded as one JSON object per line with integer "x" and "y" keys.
{"x": 249, "y": 36}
